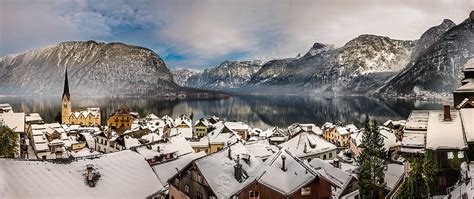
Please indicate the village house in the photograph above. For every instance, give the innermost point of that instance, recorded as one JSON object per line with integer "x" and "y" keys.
{"x": 87, "y": 117}
{"x": 241, "y": 128}
{"x": 217, "y": 175}
{"x": 466, "y": 91}
{"x": 342, "y": 183}
{"x": 217, "y": 139}
{"x": 338, "y": 135}
{"x": 120, "y": 119}
{"x": 184, "y": 126}
{"x": 5, "y": 108}
{"x": 389, "y": 140}
{"x": 307, "y": 146}
{"x": 274, "y": 135}
{"x": 286, "y": 176}
{"x": 201, "y": 128}
{"x": 414, "y": 133}
{"x": 297, "y": 128}
{"x": 164, "y": 150}
{"x": 16, "y": 122}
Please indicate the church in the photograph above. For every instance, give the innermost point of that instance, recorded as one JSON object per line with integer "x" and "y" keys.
{"x": 86, "y": 117}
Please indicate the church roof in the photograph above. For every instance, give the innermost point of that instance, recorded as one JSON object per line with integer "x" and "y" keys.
{"x": 66, "y": 86}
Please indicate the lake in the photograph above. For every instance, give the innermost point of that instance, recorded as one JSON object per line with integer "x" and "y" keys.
{"x": 257, "y": 111}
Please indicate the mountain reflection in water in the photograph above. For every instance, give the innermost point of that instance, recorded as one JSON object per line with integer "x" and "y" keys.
{"x": 257, "y": 111}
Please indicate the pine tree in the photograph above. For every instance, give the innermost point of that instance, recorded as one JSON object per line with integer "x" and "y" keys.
{"x": 429, "y": 171}
{"x": 371, "y": 162}
{"x": 8, "y": 141}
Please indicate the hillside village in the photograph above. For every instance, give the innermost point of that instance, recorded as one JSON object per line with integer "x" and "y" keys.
{"x": 163, "y": 157}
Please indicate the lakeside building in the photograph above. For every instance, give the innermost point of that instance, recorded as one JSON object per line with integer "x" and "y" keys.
{"x": 87, "y": 117}
{"x": 120, "y": 119}
{"x": 308, "y": 145}
{"x": 338, "y": 135}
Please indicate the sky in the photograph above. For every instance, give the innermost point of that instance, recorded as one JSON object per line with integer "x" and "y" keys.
{"x": 201, "y": 34}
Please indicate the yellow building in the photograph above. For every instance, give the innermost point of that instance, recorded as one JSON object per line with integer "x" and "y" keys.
{"x": 120, "y": 119}
{"x": 338, "y": 135}
{"x": 87, "y": 117}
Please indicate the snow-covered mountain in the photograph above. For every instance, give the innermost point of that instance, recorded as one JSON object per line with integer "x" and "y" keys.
{"x": 361, "y": 64}
{"x": 181, "y": 75}
{"x": 226, "y": 76}
{"x": 93, "y": 68}
{"x": 438, "y": 66}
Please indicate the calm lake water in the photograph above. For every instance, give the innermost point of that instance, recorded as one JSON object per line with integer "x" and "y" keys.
{"x": 258, "y": 111}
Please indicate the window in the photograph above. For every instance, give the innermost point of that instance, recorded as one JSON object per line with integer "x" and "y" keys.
{"x": 254, "y": 194}
{"x": 176, "y": 181}
{"x": 199, "y": 195}
{"x": 330, "y": 155}
{"x": 199, "y": 178}
{"x": 186, "y": 189}
{"x": 306, "y": 191}
{"x": 324, "y": 156}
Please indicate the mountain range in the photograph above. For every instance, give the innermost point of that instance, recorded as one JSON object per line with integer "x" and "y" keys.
{"x": 431, "y": 64}
{"x": 366, "y": 64}
{"x": 94, "y": 68}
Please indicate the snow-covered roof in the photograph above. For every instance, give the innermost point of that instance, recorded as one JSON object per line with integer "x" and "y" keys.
{"x": 259, "y": 150}
{"x": 418, "y": 120}
{"x": 414, "y": 139}
{"x": 124, "y": 174}
{"x": 314, "y": 145}
{"x": 443, "y": 134}
{"x": 467, "y": 116}
{"x": 33, "y": 117}
{"x": 393, "y": 174}
{"x": 467, "y": 87}
{"x": 218, "y": 170}
{"x": 89, "y": 140}
{"x": 335, "y": 176}
{"x": 183, "y": 120}
{"x": 166, "y": 170}
{"x": 297, "y": 128}
{"x": 342, "y": 131}
{"x": 297, "y": 173}
{"x": 84, "y": 152}
{"x": 185, "y": 132}
{"x": 15, "y": 121}
{"x": 237, "y": 126}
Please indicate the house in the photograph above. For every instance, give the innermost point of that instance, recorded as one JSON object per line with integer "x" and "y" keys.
{"x": 274, "y": 135}
{"x": 389, "y": 140}
{"x": 286, "y": 176}
{"x": 342, "y": 182}
{"x": 217, "y": 175}
{"x": 16, "y": 122}
{"x": 164, "y": 150}
{"x": 183, "y": 125}
{"x": 307, "y": 146}
{"x": 107, "y": 142}
{"x": 338, "y": 135}
{"x": 241, "y": 128}
{"x": 448, "y": 150}
{"x": 120, "y": 119}
{"x": 201, "y": 128}
{"x": 217, "y": 139}
{"x": 119, "y": 175}
{"x": 297, "y": 128}
{"x": 165, "y": 170}
{"x": 5, "y": 108}
{"x": 466, "y": 91}
{"x": 414, "y": 132}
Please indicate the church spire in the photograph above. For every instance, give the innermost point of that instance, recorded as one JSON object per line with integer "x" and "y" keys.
{"x": 66, "y": 86}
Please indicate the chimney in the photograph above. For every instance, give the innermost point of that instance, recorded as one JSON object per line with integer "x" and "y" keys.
{"x": 336, "y": 163}
{"x": 283, "y": 166}
{"x": 447, "y": 113}
{"x": 238, "y": 170}
{"x": 229, "y": 153}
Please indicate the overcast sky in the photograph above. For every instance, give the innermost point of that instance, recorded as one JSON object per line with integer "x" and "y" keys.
{"x": 199, "y": 34}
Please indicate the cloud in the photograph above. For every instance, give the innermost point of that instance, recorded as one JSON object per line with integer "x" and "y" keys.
{"x": 205, "y": 32}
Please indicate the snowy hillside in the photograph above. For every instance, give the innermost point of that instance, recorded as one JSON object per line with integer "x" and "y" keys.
{"x": 94, "y": 69}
